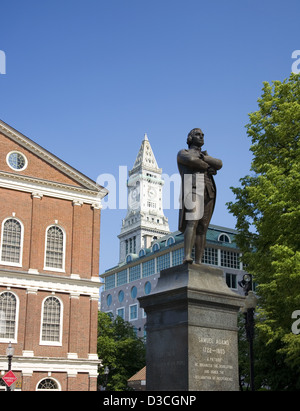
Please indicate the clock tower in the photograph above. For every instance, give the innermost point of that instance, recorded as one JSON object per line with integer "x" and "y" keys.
{"x": 145, "y": 220}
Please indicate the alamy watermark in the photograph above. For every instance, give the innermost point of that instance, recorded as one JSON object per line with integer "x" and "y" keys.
{"x": 149, "y": 191}
{"x": 296, "y": 63}
{"x": 125, "y": 193}
{"x": 295, "y": 66}
{"x": 2, "y": 62}
{"x": 296, "y": 324}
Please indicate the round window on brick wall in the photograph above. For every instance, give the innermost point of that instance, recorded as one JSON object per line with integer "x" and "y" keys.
{"x": 16, "y": 161}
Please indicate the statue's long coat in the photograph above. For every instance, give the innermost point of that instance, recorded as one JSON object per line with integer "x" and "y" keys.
{"x": 189, "y": 163}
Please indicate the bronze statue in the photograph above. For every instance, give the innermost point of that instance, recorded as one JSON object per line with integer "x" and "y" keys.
{"x": 198, "y": 194}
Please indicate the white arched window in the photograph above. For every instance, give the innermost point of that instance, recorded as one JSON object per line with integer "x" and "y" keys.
{"x": 9, "y": 305}
{"x": 51, "y": 329}
{"x": 224, "y": 238}
{"x": 128, "y": 259}
{"x": 170, "y": 241}
{"x": 11, "y": 242}
{"x": 142, "y": 252}
{"x": 55, "y": 249}
{"x": 48, "y": 384}
{"x": 155, "y": 247}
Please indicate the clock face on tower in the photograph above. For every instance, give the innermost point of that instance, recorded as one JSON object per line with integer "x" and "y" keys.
{"x": 134, "y": 197}
{"x": 152, "y": 193}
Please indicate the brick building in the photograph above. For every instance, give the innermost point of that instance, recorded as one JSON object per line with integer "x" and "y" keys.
{"x": 49, "y": 262}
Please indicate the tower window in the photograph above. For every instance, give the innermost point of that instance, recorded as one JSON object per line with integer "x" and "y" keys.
{"x": 151, "y": 204}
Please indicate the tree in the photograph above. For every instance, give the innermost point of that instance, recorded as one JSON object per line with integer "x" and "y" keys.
{"x": 120, "y": 350}
{"x": 267, "y": 209}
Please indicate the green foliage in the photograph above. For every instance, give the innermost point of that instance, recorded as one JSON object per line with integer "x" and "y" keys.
{"x": 120, "y": 350}
{"x": 267, "y": 209}
{"x": 271, "y": 370}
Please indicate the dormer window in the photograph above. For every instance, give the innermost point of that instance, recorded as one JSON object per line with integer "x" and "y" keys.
{"x": 128, "y": 258}
{"x": 155, "y": 247}
{"x": 142, "y": 252}
{"x": 170, "y": 241}
{"x": 224, "y": 238}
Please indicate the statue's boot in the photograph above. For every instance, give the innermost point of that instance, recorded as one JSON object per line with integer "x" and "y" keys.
{"x": 200, "y": 242}
{"x": 189, "y": 239}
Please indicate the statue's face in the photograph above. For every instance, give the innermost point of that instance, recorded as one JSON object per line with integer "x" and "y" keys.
{"x": 198, "y": 138}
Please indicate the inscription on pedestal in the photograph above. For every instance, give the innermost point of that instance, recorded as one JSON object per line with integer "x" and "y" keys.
{"x": 213, "y": 363}
{"x": 213, "y": 366}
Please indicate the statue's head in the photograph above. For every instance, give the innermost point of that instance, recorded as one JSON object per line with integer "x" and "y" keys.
{"x": 195, "y": 136}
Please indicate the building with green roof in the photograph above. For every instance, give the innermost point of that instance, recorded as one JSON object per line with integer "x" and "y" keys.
{"x": 147, "y": 246}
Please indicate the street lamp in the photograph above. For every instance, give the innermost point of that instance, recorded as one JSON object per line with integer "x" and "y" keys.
{"x": 9, "y": 353}
{"x": 246, "y": 283}
{"x": 248, "y": 310}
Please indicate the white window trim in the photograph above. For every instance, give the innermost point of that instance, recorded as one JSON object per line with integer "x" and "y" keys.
{"x": 52, "y": 343}
{"x": 137, "y": 312}
{"x": 19, "y": 264}
{"x": 22, "y": 154}
{"x": 58, "y": 270}
{"x": 15, "y": 339}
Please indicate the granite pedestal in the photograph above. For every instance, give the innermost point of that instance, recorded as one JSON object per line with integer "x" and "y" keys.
{"x": 192, "y": 331}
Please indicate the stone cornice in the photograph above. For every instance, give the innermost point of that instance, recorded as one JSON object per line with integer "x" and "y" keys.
{"x": 49, "y": 282}
{"x": 27, "y": 365}
{"x": 50, "y": 188}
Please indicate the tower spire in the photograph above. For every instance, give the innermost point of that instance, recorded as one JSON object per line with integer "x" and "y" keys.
{"x": 145, "y": 158}
{"x": 145, "y": 220}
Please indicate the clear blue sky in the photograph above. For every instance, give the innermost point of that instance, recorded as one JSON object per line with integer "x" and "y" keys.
{"x": 86, "y": 80}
